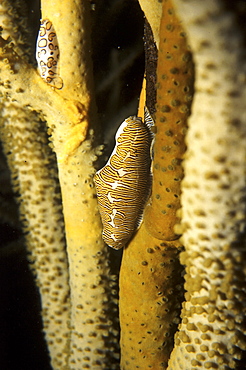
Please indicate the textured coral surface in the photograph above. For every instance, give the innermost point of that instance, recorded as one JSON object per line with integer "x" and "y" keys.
{"x": 150, "y": 278}
{"x": 150, "y": 298}
{"x": 174, "y": 95}
{"x": 212, "y": 333}
{"x": 81, "y": 331}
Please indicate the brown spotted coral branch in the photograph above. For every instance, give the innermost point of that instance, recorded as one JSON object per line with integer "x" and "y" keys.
{"x": 34, "y": 176}
{"x": 31, "y": 162}
{"x": 69, "y": 113}
{"x": 150, "y": 278}
{"x": 212, "y": 333}
{"x": 90, "y": 280}
{"x": 150, "y": 298}
{"x": 175, "y": 76}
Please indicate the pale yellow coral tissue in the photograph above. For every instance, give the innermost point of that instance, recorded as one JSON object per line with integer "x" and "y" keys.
{"x": 70, "y": 115}
{"x": 211, "y": 334}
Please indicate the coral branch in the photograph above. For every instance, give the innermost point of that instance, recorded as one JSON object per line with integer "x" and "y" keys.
{"x": 31, "y": 162}
{"x": 175, "y": 76}
{"x": 13, "y": 25}
{"x": 150, "y": 278}
{"x": 150, "y": 300}
{"x": 212, "y": 333}
{"x": 93, "y": 341}
{"x": 153, "y": 11}
{"x": 71, "y": 20}
{"x": 70, "y": 115}
{"x": 34, "y": 176}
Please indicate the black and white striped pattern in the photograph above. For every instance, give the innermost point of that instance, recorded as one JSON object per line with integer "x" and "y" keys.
{"x": 123, "y": 184}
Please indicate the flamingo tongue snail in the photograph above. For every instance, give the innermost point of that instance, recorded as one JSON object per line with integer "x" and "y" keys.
{"x": 47, "y": 54}
{"x": 123, "y": 184}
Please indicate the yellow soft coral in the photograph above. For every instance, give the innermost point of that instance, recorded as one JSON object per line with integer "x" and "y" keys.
{"x": 71, "y": 119}
{"x": 150, "y": 298}
{"x": 150, "y": 277}
{"x": 174, "y": 94}
{"x": 31, "y": 163}
{"x": 212, "y": 334}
